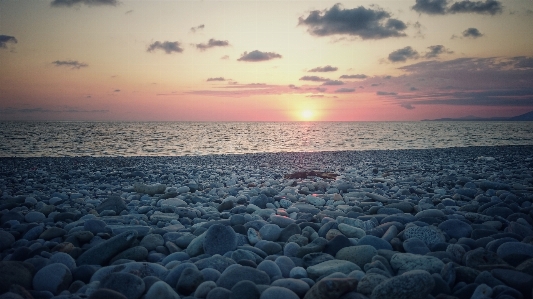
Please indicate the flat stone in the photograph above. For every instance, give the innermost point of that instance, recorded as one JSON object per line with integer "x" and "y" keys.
{"x": 331, "y": 288}
{"x": 375, "y": 242}
{"x": 456, "y": 228}
{"x": 415, "y": 284}
{"x": 232, "y": 276}
{"x": 415, "y": 246}
{"x": 129, "y": 285}
{"x": 404, "y": 262}
{"x": 217, "y": 262}
{"x": 351, "y": 231}
{"x": 113, "y": 202}
{"x": 101, "y": 253}
{"x": 328, "y": 267}
{"x": 151, "y": 241}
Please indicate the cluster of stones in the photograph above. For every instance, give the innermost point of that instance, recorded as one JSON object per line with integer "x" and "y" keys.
{"x": 445, "y": 223}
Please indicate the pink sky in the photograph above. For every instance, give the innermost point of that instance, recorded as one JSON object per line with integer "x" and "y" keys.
{"x": 264, "y": 60}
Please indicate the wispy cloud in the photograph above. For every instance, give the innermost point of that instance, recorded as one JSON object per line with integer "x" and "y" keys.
{"x": 71, "y": 3}
{"x": 385, "y": 93}
{"x": 215, "y": 79}
{"x": 256, "y": 56}
{"x": 440, "y": 7}
{"x": 168, "y": 47}
{"x": 73, "y": 64}
{"x": 358, "y": 76}
{"x": 314, "y": 78}
{"x": 333, "y": 82}
{"x": 401, "y": 55}
{"x": 366, "y": 23}
{"x": 211, "y": 44}
{"x": 199, "y": 27}
{"x": 436, "y": 50}
{"x": 327, "y": 68}
{"x": 345, "y": 90}
{"x": 12, "y": 110}
{"x": 6, "y": 39}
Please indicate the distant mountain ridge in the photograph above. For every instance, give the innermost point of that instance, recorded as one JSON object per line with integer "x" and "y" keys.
{"x": 522, "y": 117}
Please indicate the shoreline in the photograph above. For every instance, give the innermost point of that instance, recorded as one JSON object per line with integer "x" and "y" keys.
{"x": 460, "y": 219}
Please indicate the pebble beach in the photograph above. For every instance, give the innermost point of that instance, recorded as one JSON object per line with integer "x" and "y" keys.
{"x": 428, "y": 223}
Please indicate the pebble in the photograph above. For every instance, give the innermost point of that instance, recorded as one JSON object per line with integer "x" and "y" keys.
{"x": 415, "y": 284}
{"x": 227, "y": 227}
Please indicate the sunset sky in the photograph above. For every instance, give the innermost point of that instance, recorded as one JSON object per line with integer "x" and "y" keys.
{"x": 266, "y": 60}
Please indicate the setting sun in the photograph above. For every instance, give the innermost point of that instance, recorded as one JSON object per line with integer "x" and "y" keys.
{"x": 307, "y": 115}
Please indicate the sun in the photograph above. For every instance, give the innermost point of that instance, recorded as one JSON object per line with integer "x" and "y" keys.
{"x": 307, "y": 114}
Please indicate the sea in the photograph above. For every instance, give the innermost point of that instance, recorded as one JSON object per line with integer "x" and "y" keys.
{"x": 111, "y": 139}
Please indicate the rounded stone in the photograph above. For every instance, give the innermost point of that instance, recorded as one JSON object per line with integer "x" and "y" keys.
{"x": 270, "y": 268}
{"x": 429, "y": 234}
{"x": 375, "y": 242}
{"x": 275, "y": 292}
{"x": 270, "y": 232}
{"x": 161, "y": 289}
{"x": 129, "y": 285}
{"x": 234, "y": 274}
{"x": 151, "y": 241}
{"x": 359, "y": 255}
{"x": 34, "y": 216}
{"x": 189, "y": 280}
{"x": 332, "y": 266}
{"x": 6, "y": 240}
{"x": 203, "y": 289}
{"x": 95, "y": 226}
{"x": 245, "y": 289}
{"x": 415, "y": 246}
{"x": 456, "y": 228}
{"x": 12, "y": 272}
{"x": 515, "y": 252}
{"x": 63, "y": 258}
{"x": 331, "y": 288}
{"x": 416, "y": 284}
{"x": 369, "y": 282}
{"x": 404, "y": 262}
{"x": 219, "y": 239}
{"x": 53, "y": 278}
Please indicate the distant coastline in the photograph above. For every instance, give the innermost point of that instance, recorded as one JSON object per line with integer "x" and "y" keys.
{"x": 522, "y": 117}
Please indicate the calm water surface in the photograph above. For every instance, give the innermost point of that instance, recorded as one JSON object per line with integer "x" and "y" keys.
{"x": 59, "y": 139}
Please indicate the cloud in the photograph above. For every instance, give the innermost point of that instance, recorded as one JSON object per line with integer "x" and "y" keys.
{"x": 345, "y": 90}
{"x": 258, "y": 56}
{"x": 11, "y": 110}
{"x": 407, "y": 106}
{"x": 292, "y": 86}
{"x": 6, "y": 39}
{"x": 216, "y": 79}
{"x": 129, "y": 12}
{"x": 327, "y": 68}
{"x": 403, "y": 54}
{"x": 358, "y": 76}
{"x": 116, "y": 90}
{"x": 225, "y": 57}
{"x": 166, "y": 46}
{"x": 436, "y": 50}
{"x": 211, "y": 44}
{"x": 333, "y": 82}
{"x": 70, "y": 3}
{"x": 472, "y": 33}
{"x": 74, "y": 64}
{"x": 440, "y": 7}
{"x": 362, "y": 22}
{"x": 199, "y": 27}
{"x": 490, "y": 7}
{"x": 314, "y": 78}
{"x": 384, "y": 93}
{"x": 432, "y": 7}
{"x": 413, "y": 88}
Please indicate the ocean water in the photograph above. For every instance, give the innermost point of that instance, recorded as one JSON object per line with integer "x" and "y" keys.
{"x": 61, "y": 139}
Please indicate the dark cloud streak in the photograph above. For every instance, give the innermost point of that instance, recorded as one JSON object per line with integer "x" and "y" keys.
{"x": 71, "y": 3}
{"x": 166, "y": 46}
{"x": 74, "y": 64}
{"x": 401, "y": 55}
{"x": 327, "y": 68}
{"x": 256, "y": 56}
{"x": 211, "y": 44}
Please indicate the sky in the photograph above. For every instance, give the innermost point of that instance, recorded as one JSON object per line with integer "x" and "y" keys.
{"x": 264, "y": 60}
